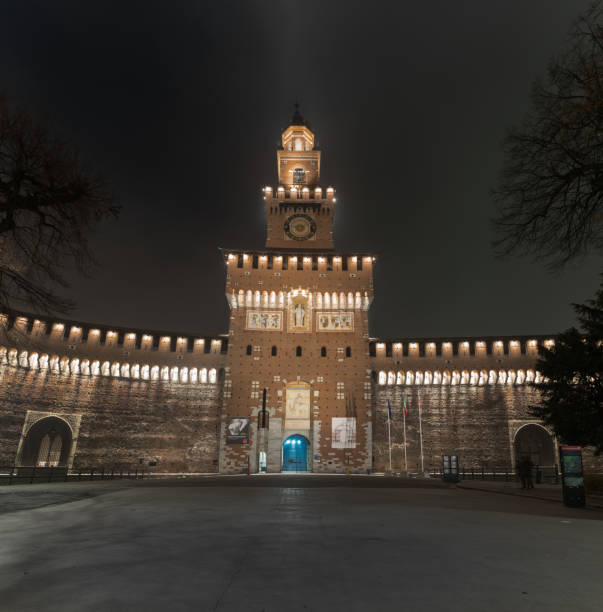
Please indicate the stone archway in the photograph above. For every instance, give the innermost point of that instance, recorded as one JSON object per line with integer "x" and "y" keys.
{"x": 47, "y": 443}
{"x": 536, "y": 443}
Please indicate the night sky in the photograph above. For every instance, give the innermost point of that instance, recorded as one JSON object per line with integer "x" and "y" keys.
{"x": 180, "y": 106}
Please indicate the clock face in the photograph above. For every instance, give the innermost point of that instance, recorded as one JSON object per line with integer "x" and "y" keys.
{"x": 300, "y": 227}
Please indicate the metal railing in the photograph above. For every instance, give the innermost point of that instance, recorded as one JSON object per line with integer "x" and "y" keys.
{"x": 34, "y": 474}
{"x": 540, "y": 474}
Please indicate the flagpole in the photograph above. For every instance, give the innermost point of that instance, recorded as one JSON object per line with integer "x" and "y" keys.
{"x": 389, "y": 432}
{"x": 421, "y": 436}
{"x": 404, "y": 418}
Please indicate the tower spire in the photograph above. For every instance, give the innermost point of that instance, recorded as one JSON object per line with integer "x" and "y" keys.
{"x": 297, "y": 118}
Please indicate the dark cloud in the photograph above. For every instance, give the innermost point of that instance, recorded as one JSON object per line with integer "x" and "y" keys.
{"x": 180, "y": 105}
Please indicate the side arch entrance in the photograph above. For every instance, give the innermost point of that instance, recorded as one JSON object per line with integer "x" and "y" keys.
{"x": 535, "y": 442}
{"x": 47, "y": 443}
{"x": 295, "y": 454}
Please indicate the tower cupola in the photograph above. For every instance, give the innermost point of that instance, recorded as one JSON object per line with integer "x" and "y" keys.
{"x": 298, "y": 159}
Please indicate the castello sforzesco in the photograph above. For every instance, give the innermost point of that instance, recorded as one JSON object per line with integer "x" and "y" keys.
{"x": 76, "y": 394}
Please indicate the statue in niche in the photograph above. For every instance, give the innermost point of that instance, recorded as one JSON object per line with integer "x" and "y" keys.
{"x": 300, "y": 315}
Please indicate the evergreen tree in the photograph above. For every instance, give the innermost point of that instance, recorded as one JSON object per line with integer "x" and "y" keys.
{"x": 572, "y": 391}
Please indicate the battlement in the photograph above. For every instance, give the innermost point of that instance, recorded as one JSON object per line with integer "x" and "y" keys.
{"x": 456, "y": 361}
{"x": 84, "y": 348}
{"x": 299, "y": 259}
{"x": 299, "y": 192}
{"x": 262, "y": 279}
{"x": 447, "y": 348}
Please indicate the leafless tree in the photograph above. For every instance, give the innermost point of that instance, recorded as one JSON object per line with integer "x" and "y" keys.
{"x": 550, "y": 193}
{"x": 48, "y": 205}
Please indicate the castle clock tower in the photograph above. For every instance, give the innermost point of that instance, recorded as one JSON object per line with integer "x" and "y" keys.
{"x": 300, "y": 214}
{"x": 298, "y": 332}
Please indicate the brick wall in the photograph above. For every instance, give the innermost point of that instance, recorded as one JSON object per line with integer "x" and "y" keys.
{"x": 477, "y": 422}
{"x": 124, "y": 423}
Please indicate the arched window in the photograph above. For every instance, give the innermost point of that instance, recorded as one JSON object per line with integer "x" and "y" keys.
{"x": 298, "y": 351}
{"x": 249, "y": 349}
{"x": 348, "y": 351}
{"x": 274, "y": 351}
{"x": 323, "y": 351}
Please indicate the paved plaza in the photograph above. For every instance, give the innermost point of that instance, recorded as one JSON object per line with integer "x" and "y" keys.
{"x": 302, "y": 543}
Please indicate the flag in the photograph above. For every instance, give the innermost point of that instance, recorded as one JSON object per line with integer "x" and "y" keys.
{"x": 419, "y": 403}
{"x": 389, "y": 410}
{"x": 404, "y": 406}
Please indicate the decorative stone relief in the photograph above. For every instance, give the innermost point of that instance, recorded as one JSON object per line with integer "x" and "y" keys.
{"x": 264, "y": 320}
{"x": 335, "y": 321}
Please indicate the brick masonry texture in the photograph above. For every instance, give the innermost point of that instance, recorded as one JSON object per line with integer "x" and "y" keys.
{"x": 125, "y": 424}
{"x": 472, "y": 421}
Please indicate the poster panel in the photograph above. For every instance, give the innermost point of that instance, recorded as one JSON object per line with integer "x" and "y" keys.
{"x": 237, "y": 430}
{"x": 343, "y": 432}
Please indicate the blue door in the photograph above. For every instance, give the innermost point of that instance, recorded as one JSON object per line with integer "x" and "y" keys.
{"x": 295, "y": 454}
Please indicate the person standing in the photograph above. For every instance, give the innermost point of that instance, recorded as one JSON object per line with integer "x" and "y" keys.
{"x": 524, "y": 468}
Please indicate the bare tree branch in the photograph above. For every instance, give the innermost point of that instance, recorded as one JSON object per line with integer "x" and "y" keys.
{"x": 48, "y": 206}
{"x": 550, "y": 192}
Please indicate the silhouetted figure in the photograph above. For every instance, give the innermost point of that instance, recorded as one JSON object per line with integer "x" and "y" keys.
{"x": 524, "y": 468}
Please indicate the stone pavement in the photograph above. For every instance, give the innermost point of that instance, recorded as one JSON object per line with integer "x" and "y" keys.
{"x": 545, "y": 492}
{"x": 183, "y": 545}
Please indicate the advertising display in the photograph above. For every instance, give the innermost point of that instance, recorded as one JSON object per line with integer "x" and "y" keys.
{"x": 237, "y": 430}
{"x": 343, "y": 432}
{"x": 572, "y": 476}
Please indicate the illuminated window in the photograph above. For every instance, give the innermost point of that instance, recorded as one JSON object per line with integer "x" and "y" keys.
{"x": 299, "y": 175}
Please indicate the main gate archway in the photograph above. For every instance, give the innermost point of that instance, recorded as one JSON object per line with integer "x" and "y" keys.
{"x": 295, "y": 454}
{"x": 47, "y": 443}
{"x": 535, "y": 442}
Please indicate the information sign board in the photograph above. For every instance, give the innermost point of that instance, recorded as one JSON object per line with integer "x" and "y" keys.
{"x": 572, "y": 476}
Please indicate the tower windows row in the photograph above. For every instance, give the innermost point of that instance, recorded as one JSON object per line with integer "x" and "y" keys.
{"x": 299, "y": 351}
{"x": 274, "y": 299}
{"x": 457, "y": 377}
{"x": 96, "y": 367}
